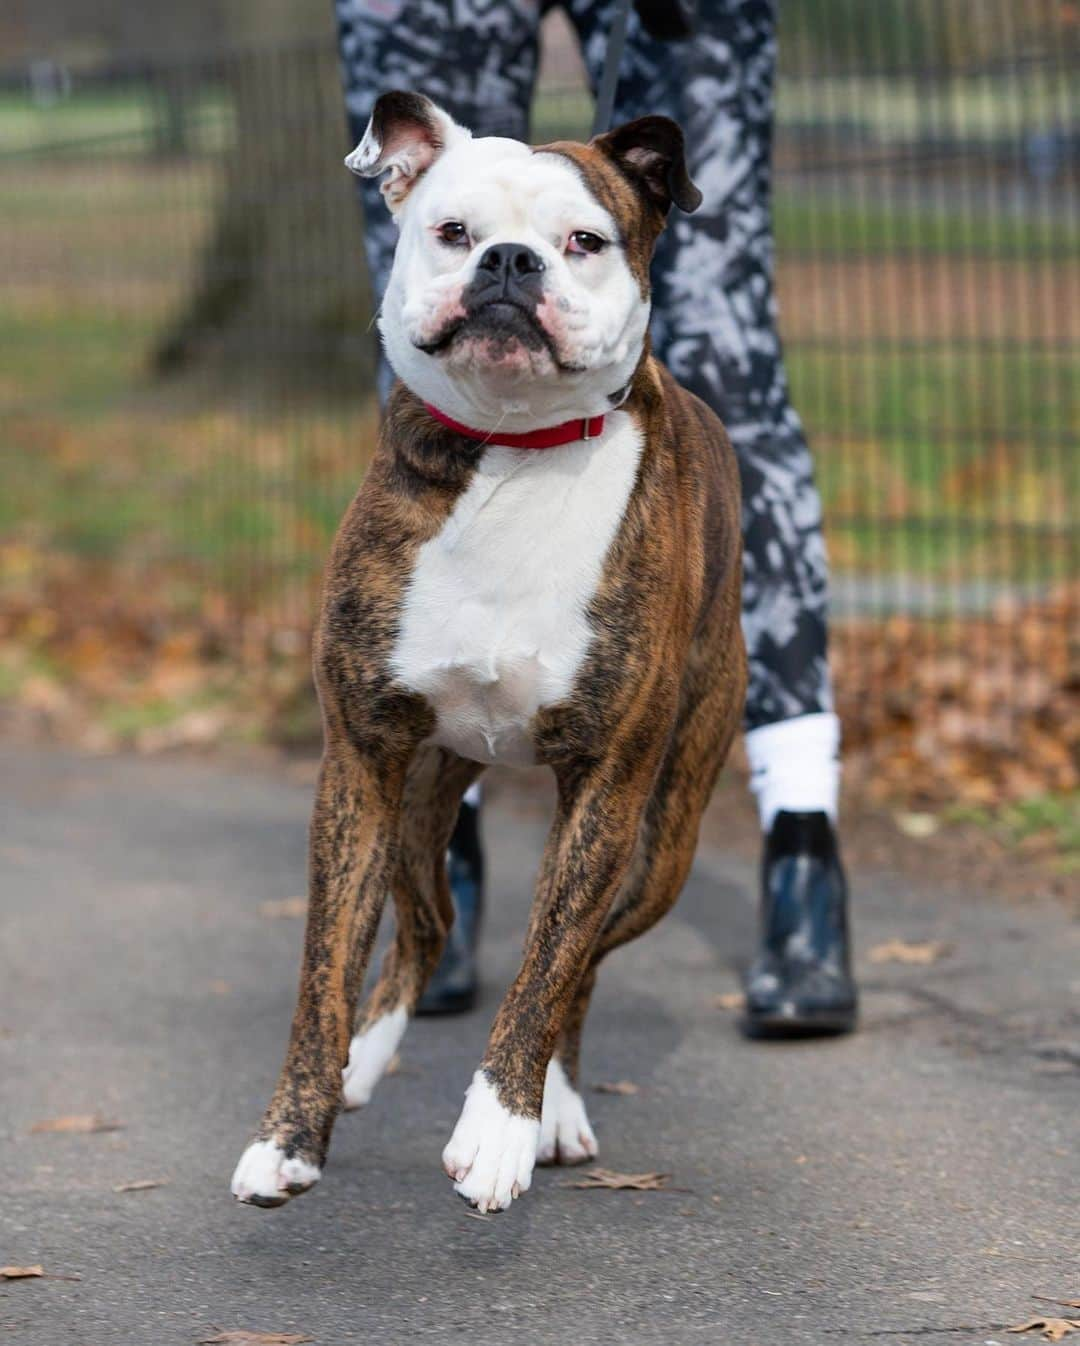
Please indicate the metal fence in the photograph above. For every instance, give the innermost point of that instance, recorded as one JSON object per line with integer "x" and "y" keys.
{"x": 185, "y": 379}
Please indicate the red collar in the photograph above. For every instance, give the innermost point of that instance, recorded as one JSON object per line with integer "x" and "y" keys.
{"x": 550, "y": 437}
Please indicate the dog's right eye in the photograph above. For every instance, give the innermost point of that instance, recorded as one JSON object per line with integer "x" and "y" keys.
{"x": 452, "y": 232}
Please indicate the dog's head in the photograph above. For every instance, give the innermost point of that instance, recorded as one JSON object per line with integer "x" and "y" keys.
{"x": 519, "y": 294}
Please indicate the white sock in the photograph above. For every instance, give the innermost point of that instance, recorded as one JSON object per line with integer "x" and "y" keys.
{"x": 795, "y": 765}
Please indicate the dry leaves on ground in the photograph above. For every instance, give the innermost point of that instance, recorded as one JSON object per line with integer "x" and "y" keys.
{"x": 81, "y": 1123}
{"x": 918, "y": 826}
{"x": 980, "y": 710}
{"x": 242, "y": 1337}
{"x": 624, "y": 1087}
{"x": 1050, "y": 1329}
{"x": 283, "y": 908}
{"x": 607, "y": 1179}
{"x": 730, "y": 1000}
{"x": 36, "y": 1272}
{"x": 141, "y": 1185}
{"x": 904, "y": 951}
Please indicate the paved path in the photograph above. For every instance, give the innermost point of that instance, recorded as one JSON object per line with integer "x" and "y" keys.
{"x": 916, "y": 1183}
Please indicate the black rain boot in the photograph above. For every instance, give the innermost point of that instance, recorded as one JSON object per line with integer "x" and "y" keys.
{"x": 453, "y": 985}
{"x": 800, "y": 984}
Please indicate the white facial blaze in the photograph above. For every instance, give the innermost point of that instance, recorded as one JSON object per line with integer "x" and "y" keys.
{"x": 591, "y": 310}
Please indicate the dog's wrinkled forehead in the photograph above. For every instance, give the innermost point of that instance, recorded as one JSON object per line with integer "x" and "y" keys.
{"x": 502, "y": 186}
{"x": 633, "y": 174}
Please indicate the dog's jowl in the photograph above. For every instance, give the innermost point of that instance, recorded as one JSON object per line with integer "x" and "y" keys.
{"x": 541, "y": 566}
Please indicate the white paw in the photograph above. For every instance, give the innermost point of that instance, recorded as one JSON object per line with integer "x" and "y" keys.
{"x": 264, "y": 1177}
{"x": 492, "y": 1151}
{"x": 565, "y": 1134}
{"x": 370, "y": 1052}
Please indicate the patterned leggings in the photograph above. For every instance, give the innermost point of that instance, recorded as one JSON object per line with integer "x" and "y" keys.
{"x": 714, "y": 311}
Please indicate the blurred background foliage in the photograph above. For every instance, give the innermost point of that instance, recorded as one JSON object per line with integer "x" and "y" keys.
{"x": 186, "y": 362}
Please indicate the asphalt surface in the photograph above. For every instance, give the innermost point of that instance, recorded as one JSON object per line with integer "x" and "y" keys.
{"x": 914, "y": 1183}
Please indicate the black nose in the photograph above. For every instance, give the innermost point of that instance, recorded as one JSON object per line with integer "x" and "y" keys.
{"x": 510, "y": 262}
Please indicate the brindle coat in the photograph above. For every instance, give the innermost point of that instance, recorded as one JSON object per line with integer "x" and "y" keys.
{"x": 635, "y": 750}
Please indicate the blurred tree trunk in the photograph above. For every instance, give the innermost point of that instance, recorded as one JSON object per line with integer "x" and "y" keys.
{"x": 281, "y": 288}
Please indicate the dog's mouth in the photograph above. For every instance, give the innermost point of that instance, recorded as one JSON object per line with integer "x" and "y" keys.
{"x": 502, "y": 323}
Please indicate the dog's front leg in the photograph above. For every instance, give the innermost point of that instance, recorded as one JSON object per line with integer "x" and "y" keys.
{"x": 493, "y": 1149}
{"x": 353, "y": 840}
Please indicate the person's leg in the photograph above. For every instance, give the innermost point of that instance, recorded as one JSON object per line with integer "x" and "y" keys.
{"x": 477, "y": 59}
{"x": 714, "y": 324}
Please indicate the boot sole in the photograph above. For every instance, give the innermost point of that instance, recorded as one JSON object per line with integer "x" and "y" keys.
{"x": 779, "y": 1026}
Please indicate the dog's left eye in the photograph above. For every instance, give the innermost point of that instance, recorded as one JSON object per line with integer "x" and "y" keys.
{"x": 581, "y": 240}
{"x": 452, "y": 232}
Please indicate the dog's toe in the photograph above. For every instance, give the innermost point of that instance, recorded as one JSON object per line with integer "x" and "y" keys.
{"x": 267, "y": 1177}
{"x": 492, "y": 1152}
{"x": 565, "y": 1134}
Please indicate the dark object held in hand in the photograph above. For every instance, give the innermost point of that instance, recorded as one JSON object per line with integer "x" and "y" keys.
{"x": 667, "y": 19}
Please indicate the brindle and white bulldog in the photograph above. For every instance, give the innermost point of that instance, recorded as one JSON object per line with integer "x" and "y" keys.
{"x": 543, "y": 565}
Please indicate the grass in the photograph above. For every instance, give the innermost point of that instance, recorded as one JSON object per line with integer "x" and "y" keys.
{"x": 236, "y": 497}
{"x": 1046, "y": 822}
{"x": 125, "y": 120}
{"x": 984, "y": 109}
{"x": 919, "y": 467}
{"x": 840, "y": 223}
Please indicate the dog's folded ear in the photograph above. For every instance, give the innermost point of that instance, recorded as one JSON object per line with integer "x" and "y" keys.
{"x": 652, "y": 153}
{"x": 406, "y": 134}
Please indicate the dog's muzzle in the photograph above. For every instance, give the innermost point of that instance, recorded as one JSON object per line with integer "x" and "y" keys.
{"x": 502, "y": 300}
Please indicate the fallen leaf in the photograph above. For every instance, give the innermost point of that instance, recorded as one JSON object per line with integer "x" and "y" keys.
{"x": 245, "y": 1338}
{"x": 918, "y": 826}
{"x": 141, "y": 1185}
{"x": 1050, "y": 1329}
{"x": 730, "y": 1000}
{"x": 20, "y": 1273}
{"x": 621, "y": 1182}
{"x": 905, "y": 951}
{"x": 283, "y": 908}
{"x": 83, "y": 1123}
{"x": 624, "y": 1087}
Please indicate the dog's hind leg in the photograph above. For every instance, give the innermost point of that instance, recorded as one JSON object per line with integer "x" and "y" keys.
{"x": 433, "y": 789}
{"x": 665, "y": 850}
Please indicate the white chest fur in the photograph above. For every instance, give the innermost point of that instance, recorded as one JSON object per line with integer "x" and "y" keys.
{"x": 494, "y": 622}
